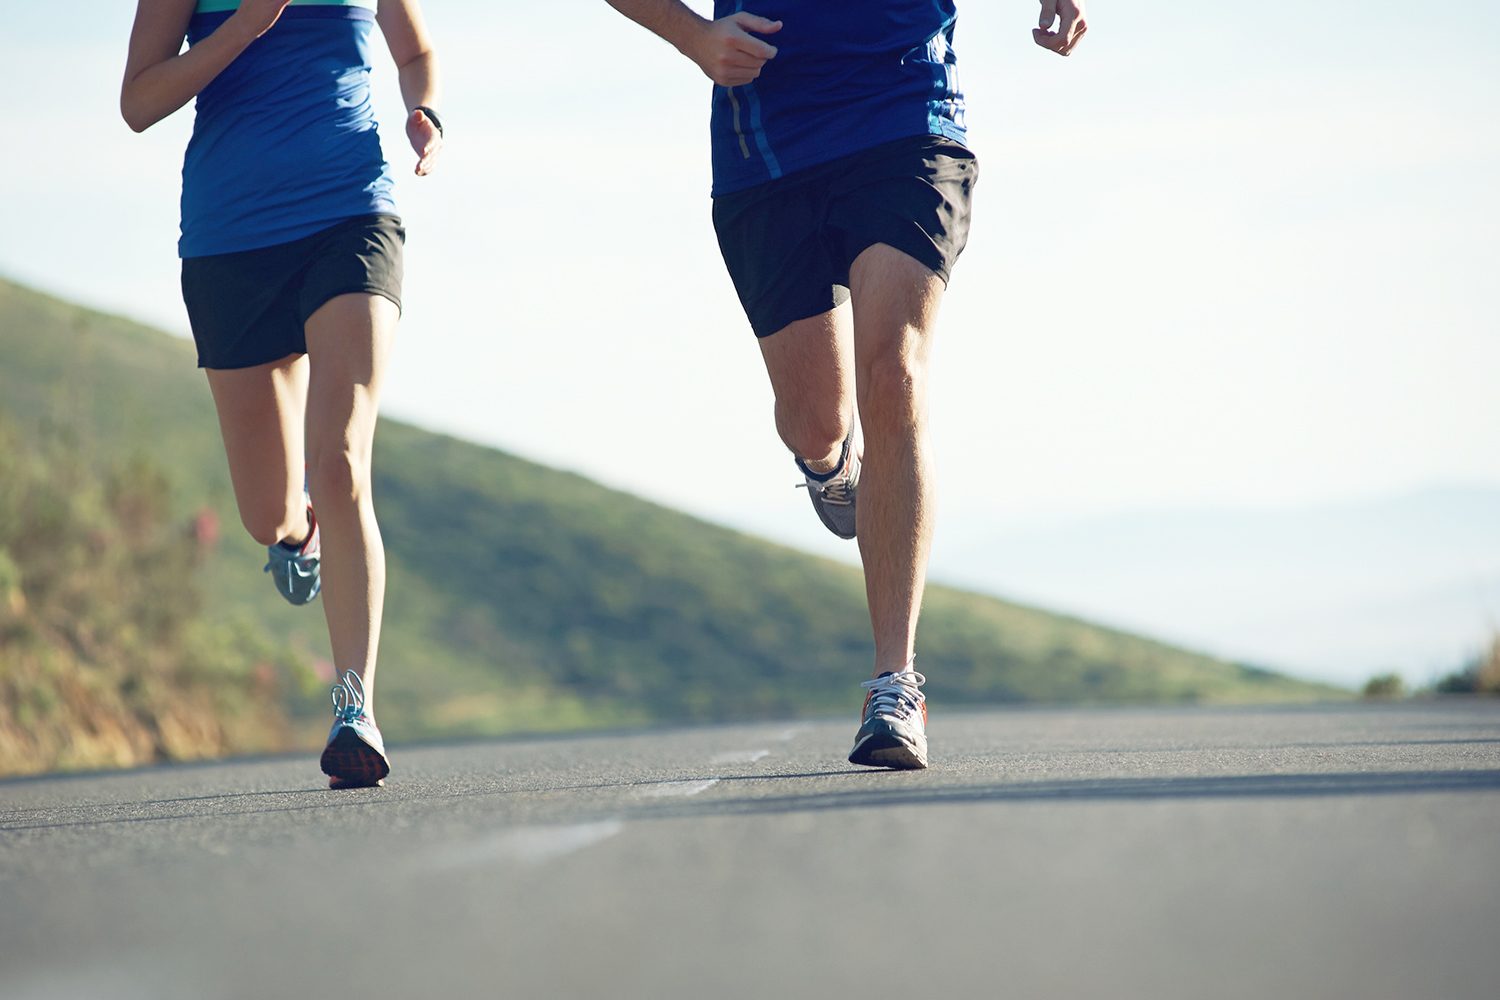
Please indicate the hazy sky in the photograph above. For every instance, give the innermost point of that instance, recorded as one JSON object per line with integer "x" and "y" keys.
{"x": 1227, "y": 255}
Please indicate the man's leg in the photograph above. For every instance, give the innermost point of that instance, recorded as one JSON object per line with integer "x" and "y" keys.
{"x": 817, "y": 368}
{"x": 349, "y": 340}
{"x": 814, "y": 364}
{"x": 895, "y": 301}
{"x": 811, "y": 365}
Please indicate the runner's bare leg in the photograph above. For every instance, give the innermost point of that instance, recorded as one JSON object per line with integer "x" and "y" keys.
{"x": 895, "y": 302}
{"x": 265, "y": 415}
{"x": 349, "y": 342}
{"x": 813, "y": 365}
{"x": 260, "y": 418}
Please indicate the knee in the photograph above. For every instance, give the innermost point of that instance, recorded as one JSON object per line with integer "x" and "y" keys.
{"x": 270, "y": 525}
{"x": 336, "y": 478}
{"x": 812, "y": 436}
{"x": 893, "y": 379}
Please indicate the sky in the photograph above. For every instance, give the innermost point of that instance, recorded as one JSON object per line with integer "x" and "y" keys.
{"x": 1338, "y": 592}
{"x": 1227, "y": 257}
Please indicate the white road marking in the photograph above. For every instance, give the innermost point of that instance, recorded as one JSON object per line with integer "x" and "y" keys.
{"x": 678, "y": 788}
{"x": 741, "y": 756}
{"x": 792, "y": 732}
{"x": 532, "y": 845}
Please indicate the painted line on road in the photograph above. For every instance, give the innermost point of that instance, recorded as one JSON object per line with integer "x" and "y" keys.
{"x": 740, "y": 756}
{"x": 683, "y": 788}
{"x": 532, "y": 845}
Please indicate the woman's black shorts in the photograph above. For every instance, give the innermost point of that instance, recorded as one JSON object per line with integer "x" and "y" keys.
{"x": 250, "y": 308}
{"x": 789, "y": 242}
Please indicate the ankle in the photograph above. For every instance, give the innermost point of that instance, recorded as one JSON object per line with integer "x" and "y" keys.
{"x": 822, "y": 466}
{"x": 298, "y": 540}
{"x": 893, "y": 667}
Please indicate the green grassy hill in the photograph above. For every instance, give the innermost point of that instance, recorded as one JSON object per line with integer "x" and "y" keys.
{"x": 522, "y": 598}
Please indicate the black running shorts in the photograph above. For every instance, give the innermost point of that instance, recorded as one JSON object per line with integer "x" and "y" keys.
{"x": 789, "y": 242}
{"x": 250, "y": 308}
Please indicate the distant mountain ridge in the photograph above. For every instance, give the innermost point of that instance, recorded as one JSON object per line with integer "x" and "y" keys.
{"x": 1345, "y": 590}
{"x": 525, "y": 598}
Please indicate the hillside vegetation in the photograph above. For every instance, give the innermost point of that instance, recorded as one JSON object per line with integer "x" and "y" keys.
{"x": 104, "y": 657}
{"x": 522, "y": 598}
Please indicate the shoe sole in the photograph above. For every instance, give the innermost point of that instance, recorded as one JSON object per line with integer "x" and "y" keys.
{"x": 886, "y": 750}
{"x": 353, "y": 763}
{"x": 337, "y": 783}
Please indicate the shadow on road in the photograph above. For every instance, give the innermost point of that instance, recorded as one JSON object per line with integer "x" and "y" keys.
{"x": 871, "y": 794}
{"x": 1228, "y": 786}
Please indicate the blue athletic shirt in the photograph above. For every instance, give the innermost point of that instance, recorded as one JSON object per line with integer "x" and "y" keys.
{"x": 284, "y": 143}
{"x": 848, "y": 75}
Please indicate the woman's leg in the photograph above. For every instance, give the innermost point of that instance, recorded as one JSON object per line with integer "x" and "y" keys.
{"x": 348, "y": 343}
{"x": 261, "y": 418}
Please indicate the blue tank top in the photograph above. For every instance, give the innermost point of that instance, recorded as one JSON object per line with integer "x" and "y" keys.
{"x": 848, "y": 75}
{"x": 284, "y": 142}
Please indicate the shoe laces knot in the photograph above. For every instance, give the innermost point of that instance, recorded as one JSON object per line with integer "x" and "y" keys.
{"x": 836, "y": 490}
{"x": 895, "y": 693}
{"x": 349, "y": 698}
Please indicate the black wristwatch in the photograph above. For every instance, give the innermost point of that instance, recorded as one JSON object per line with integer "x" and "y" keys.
{"x": 431, "y": 114}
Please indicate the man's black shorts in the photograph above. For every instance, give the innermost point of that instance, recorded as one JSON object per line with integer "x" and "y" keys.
{"x": 789, "y": 242}
{"x": 250, "y": 308}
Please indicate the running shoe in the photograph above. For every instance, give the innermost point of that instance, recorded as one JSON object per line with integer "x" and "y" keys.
{"x": 894, "y": 731}
{"x": 355, "y": 755}
{"x": 832, "y": 493}
{"x": 295, "y": 570}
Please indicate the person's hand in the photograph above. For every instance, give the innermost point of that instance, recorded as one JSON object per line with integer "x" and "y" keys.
{"x": 726, "y": 51}
{"x": 1069, "y": 32}
{"x": 426, "y": 140}
{"x": 258, "y": 15}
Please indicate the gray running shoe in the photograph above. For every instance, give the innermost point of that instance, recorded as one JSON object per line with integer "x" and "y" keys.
{"x": 296, "y": 571}
{"x": 832, "y": 493}
{"x": 894, "y": 731}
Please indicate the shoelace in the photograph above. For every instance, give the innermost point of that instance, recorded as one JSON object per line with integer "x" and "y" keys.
{"x": 895, "y": 694}
{"x": 349, "y": 698}
{"x": 837, "y": 491}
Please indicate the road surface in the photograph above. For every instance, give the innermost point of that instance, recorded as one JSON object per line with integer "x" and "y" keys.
{"x": 1347, "y": 851}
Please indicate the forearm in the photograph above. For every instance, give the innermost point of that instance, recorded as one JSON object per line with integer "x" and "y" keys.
{"x": 420, "y": 85}
{"x": 155, "y": 91}
{"x": 729, "y": 51}
{"x": 670, "y": 19}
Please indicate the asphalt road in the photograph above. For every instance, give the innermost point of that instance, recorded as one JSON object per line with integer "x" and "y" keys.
{"x": 1349, "y": 851}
